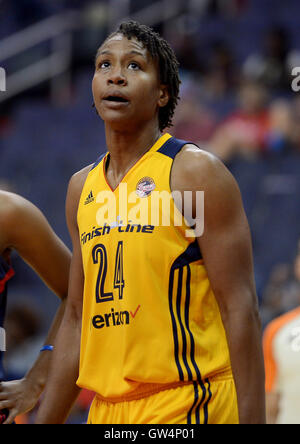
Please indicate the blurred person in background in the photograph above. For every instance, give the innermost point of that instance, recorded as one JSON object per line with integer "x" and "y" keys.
{"x": 244, "y": 131}
{"x": 24, "y": 228}
{"x": 223, "y": 7}
{"x": 221, "y": 75}
{"x": 282, "y": 363}
{"x": 273, "y": 66}
{"x": 24, "y": 338}
{"x": 193, "y": 120}
{"x": 187, "y": 48}
{"x": 257, "y": 127}
{"x": 281, "y": 134}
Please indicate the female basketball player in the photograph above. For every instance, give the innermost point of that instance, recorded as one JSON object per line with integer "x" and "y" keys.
{"x": 168, "y": 324}
{"x": 24, "y": 229}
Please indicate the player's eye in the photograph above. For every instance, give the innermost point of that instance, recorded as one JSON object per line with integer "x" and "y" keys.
{"x": 104, "y": 65}
{"x": 134, "y": 66}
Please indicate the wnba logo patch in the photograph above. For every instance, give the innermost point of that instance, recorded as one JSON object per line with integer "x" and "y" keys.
{"x": 145, "y": 187}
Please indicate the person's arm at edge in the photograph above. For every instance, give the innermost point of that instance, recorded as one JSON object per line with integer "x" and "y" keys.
{"x": 39, "y": 246}
{"x": 227, "y": 253}
{"x": 61, "y": 390}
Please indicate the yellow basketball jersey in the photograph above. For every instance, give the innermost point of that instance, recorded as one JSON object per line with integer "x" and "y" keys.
{"x": 150, "y": 317}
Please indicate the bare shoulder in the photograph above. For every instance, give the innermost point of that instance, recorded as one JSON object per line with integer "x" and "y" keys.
{"x": 9, "y": 201}
{"x": 195, "y": 168}
{"x": 7, "y": 214}
{"x": 17, "y": 217}
{"x": 76, "y": 184}
{"x": 13, "y": 207}
{"x": 75, "y": 187}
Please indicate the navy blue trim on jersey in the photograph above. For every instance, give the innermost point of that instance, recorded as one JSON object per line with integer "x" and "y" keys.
{"x": 192, "y": 355}
{"x": 196, "y": 399}
{"x": 181, "y": 325}
{"x": 188, "y": 370}
{"x": 191, "y": 254}
{"x": 100, "y": 158}
{"x": 205, "y": 408}
{"x": 174, "y": 326}
{"x": 199, "y": 405}
{"x": 193, "y": 416}
{"x": 187, "y": 309}
{"x": 182, "y": 329}
{"x": 172, "y": 147}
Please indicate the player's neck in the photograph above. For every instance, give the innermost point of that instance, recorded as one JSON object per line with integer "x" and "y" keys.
{"x": 126, "y": 147}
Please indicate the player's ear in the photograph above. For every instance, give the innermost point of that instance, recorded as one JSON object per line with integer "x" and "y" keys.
{"x": 164, "y": 96}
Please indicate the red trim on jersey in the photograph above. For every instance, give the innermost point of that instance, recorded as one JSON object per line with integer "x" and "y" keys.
{"x": 6, "y": 278}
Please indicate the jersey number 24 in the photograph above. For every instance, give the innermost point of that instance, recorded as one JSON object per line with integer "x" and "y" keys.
{"x": 100, "y": 258}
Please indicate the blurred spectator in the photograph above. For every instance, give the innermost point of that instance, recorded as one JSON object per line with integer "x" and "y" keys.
{"x": 193, "y": 121}
{"x": 244, "y": 131}
{"x": 282, "y": 128}
{"x": 256, "y": 128}
{"x": 219, "y": 7}
{"x": 188, "y": 50}
{"x": 219, "y": 80}
{"x": 24, "y": 339}
{"x": 221, "y": 60}
{"x": 273, "y": 66}
{"x": 227, "y": 7}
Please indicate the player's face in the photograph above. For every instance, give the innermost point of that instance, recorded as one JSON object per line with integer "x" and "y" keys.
{"x": 126, "y": 87}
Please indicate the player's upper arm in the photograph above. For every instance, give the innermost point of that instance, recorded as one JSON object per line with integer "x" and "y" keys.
{"x": 29, "y": 233}
{"x": 76, "y": 283}
{"x": 226, "y": 242}
{"x": 73, "y": 197}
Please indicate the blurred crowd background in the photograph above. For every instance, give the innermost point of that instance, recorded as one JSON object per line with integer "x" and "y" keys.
{"x": 236, "y": 61}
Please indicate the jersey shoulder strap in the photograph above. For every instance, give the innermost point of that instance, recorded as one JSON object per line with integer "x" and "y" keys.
{"x": 172, "y": 147}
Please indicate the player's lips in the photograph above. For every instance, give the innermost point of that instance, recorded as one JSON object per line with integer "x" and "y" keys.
{"x": 115, "y": 99}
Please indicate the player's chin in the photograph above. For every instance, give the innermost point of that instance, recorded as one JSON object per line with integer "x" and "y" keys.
{"x": 115, "y": 116}
{"x": 112, "y": 107}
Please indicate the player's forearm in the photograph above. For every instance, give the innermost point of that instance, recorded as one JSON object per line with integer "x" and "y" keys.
{"x": 61, "y": 390}
{"x": 244, "y": 339}
{"x": 37, "y": 375}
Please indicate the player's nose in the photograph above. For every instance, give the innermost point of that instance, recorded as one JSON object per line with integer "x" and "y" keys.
{"x": 117, "y": 77}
